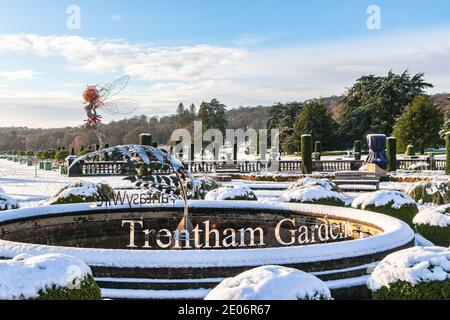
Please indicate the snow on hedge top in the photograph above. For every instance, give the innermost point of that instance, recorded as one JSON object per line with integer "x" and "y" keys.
{"x": 271, "y": 283}
{"x": 310, "y": 190}
{"x": 383, "y": 198}
{"x": 310, "y": 194}
{"x": 8, "y": 203}
{"x": 230, "y": 194}
{"x": 82, "y": 189}
{"x": 25, "y": 276}
{"x": 434, "y": 216}
{"x": 431, "y": 187}
{"x": 414, "y": 265}
{"x": 309, "y": 182}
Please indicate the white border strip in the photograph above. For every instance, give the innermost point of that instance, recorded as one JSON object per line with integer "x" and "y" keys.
{"x": 202, "y": 293}
{"x": 145, "y": 280}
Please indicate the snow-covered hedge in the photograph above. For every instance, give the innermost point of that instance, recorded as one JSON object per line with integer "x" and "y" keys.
{"x": 434, "y": 224}
{"x": 47, "y": 277}
{"x": 394, "y": 203}
{"x": 314, "y": 191}
{"x": 206, "y": 185}
{"x": 419, "y": 273}
{"x": 7, "y": 203}
{"x": 437, "y": 192}
{"x": 80, "y": 192}
{"x": 271, "y": 283}
{"x": 244, "y": 194}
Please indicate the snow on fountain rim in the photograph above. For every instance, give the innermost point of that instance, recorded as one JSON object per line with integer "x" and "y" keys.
{"x": 396, "y": 234}
{"x": 25, "y": 276}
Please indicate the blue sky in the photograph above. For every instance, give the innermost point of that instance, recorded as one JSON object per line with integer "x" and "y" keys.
{"x": 245, "y": 52}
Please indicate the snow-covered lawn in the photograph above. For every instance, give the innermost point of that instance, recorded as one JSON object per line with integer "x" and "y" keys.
{"x": 30, "y": 186}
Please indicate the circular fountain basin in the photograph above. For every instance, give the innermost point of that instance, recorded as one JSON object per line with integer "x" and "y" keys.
{"x": 128, "y": 261}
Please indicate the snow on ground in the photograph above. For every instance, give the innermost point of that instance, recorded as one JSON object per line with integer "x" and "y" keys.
{"x": 271, "y": 283}
{"x": 414, "y": 265}
{"x": 24, "y": 276}
{"x": 422, "y": 242}
{"x": 30, "y": 186}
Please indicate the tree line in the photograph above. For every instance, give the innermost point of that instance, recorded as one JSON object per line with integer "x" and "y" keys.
{"x": 395, "y": 104}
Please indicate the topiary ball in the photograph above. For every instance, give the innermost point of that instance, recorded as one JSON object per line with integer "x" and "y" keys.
{"x": 82, "y": 192}
{"x": 314, "y": 191}
{"x": 436, "y": 192}
{"x": 237, "y": 194}
{"x": 434, "y": 224}
{"x": 47, "y": 277}
{"x": 271, "y": 283}
{"x": 392, "y": 203}
{"x": 413, "y": 274}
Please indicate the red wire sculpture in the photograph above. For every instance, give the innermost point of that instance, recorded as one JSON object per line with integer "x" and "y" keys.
{"x": 97, "y": 99}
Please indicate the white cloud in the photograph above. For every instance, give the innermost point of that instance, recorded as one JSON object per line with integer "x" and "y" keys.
{"x": 116, "y": 18}
{"x": 234, "y": 75}
{"x": 141, "y": 61}
{"x": 18, "y": 74}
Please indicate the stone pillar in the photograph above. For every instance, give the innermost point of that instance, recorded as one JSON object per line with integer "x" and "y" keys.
{"x": 180, "y": 154}
{"x": 447, "y": 147}
{"x": 317, "y": 151}
{"x": 432, "y": 162}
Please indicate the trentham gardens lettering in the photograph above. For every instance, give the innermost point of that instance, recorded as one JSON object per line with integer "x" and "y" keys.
{"x": 287, "y": 232}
